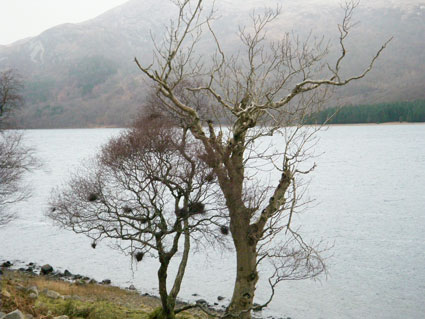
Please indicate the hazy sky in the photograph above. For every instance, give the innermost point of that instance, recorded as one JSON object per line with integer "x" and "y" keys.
{"x": 24, "y": 18}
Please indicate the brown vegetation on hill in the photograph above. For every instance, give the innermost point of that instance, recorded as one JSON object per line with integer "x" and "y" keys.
{"x": 82, "y": 75}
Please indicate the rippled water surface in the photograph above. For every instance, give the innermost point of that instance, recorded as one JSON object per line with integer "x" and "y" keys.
{"x": 369, "y": 186}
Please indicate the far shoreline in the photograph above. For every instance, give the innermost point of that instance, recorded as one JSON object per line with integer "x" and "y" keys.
{"x": 125, "y": 127}
{"x": 368, "y": 124}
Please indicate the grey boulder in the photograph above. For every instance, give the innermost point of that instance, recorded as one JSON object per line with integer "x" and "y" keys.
{"x": 53, "y": 294}
{"x": 46, "y": 269}
{"x": 33, "y": 289}
{"x": 201, "y": 302}
{"x": 14, "y": 315}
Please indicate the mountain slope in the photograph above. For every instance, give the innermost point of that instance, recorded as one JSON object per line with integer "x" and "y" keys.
{"x": 79, "y": 75}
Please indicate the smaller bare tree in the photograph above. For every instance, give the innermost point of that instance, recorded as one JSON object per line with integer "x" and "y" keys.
{"x": 10, "y": 93}
{"x": 146, "y": 190}
{"x": 15, "y": 158}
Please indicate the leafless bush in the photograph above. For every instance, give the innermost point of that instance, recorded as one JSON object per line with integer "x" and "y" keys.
{"x": 147, "y": 190}
{"x": 15, "y": 158}
{"x": 10, "y": 94}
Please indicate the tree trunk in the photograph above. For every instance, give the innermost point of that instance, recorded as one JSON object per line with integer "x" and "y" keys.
{"x": 246, "y": 273}
{"x": 167, "y": 304}
{"x": 182, "y": 266}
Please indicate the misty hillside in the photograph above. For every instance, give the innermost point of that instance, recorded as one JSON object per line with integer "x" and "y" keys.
{"x": 83, "y": 75}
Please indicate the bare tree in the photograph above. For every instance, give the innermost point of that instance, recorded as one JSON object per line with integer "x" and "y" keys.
{"x": 147, "y": 190}
{"x": 251, "y": 99}
{"x": 10, "y": 96}
{"x": 15, "y": 158}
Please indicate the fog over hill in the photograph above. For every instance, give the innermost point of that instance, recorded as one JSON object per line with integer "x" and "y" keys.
{"x": 79, "y": 75}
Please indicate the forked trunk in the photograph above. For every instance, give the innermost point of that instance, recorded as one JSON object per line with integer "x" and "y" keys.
{"x": 168, "y": 300}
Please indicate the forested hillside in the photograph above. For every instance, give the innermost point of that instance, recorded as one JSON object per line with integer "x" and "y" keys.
{"x": 375, "y": 113}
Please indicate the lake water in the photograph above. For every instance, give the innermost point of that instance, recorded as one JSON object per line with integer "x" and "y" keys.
{"x": 369, "y": 186}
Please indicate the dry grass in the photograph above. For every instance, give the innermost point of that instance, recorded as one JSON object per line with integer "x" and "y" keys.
{"x": 93, "y": 302}
{"x": 89, "y": 295}
{"x": 90, "y": 291}
{"x": 12, "y": 298}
